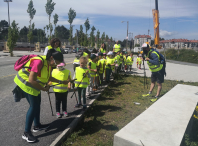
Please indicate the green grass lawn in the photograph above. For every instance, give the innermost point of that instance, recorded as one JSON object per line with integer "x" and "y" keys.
{"x": 114, "y": 109}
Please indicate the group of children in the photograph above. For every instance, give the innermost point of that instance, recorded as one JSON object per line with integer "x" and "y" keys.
{"x": 90, "y": 72}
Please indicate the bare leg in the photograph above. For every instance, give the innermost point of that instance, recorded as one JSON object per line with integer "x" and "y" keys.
{"x": 152, "y": 86}
{"x": 159, "y": 89}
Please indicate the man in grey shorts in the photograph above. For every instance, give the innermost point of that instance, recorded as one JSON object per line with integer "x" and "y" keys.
{"x": 157, "y": 69}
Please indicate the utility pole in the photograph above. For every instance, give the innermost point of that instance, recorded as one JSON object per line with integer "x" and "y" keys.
{"x": 77, "y": 40}
{"x": 8, "y": 10}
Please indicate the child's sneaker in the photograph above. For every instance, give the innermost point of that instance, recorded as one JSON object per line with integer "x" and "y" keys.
{"x": 58, "y": 115}
{"x": 65, "y": 114}
{"x": 155, "y": 99}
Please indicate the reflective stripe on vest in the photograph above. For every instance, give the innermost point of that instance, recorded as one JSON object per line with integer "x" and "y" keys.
{"x": 152, "y": 67}
{"x": 61, "y": 88}
{"x": 117, "y": 47}
{"x": 83, "y": 83}
{"x": 61, "y": 76}
{"x": 26, "y": 82}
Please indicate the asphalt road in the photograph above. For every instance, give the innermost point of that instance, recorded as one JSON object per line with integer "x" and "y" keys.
{"x": 12, "y": 114}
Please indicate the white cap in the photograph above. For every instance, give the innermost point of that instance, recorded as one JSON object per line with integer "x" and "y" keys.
{"x": 145, "y": 45}
{"x": 109, "y": 53}
{"x": 140, "y": 55}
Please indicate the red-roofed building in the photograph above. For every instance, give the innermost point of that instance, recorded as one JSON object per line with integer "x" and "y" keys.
{"x": 141, "y": 39}
{"x": 179, "y": 43}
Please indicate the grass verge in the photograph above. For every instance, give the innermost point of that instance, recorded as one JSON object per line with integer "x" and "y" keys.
{"x": 113, "y": 110}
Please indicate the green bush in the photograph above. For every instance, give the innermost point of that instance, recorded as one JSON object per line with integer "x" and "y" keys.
{"x": 184, "y": 55}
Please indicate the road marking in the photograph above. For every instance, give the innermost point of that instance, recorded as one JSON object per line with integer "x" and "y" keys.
{"x": 8, "y": 76}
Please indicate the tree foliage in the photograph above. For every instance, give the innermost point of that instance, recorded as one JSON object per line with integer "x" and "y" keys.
{"x": 55, "y": 22}
{"x": 81, "y": 36}
{"x": 87, "y": 25}
{"x": 71, "y": 16}
{"x": 3, "y": 29}
{"x": 62, "y": 32}
{"x": 98, "y": 37}
{"x": 31, "y": 10}
{"x": 13, "y": 34}
{"x": 92, "y": 37}
{"x": 49, "y": 7}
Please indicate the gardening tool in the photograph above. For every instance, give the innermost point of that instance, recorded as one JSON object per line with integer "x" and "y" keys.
{"x": 145, "y": 78}
{"x": 50, "y": 102}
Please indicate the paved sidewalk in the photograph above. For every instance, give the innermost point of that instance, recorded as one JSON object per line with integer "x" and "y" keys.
{"x": 175, "y": 70}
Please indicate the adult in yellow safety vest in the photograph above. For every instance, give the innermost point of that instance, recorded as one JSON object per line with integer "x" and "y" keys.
{"x": 103, "y": 48}
{"x": 156, "y": 68}
{"x": 61, "y": 90}
{"x": 55, "y": 43}
{"x": 116, "y": 47}
{"x": 31, "y": 80}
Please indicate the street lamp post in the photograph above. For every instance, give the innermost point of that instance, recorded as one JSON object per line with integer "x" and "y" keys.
{"x": 8, "y": 10}
{"x": 127, "y": 33}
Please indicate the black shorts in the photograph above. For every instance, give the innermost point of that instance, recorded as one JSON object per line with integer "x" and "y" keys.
{"x": 158, "y": 76}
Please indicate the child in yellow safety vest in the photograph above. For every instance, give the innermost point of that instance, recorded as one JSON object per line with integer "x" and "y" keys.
{"x": 61, "y": 90}
{"x": 129, "y": 62}
{"x": 139, "y": 61}
{"x": 101, "y": 63}
{"x": 109, "y": 64}
{"x": 82, "y": 81}
{"x": 92, "y": 66}
{"x": 105, "y": 60}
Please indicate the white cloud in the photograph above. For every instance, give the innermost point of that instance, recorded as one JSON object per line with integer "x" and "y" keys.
{"x": 164, "y": 33}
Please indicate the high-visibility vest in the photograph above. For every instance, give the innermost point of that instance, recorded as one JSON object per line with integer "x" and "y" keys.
{"x": 101, "y": 63}
{"x": 139, "y": 60}
{"x": 117, "y": 47}
{"x": 102, "y": 50}
{"x": 22, "y": 77}
{"x": 121, "y": 58}
{"x": 79, "y": 76}
{"x": 57, "y": 49}
{"x": 85, "y": 54}
{"x": 93, "y": 66}
{"x": 129, "y": 60}
{"x": 76, "y": 61}
{"x": 109, "y": 62}
{"x": 152, "y": 67}
{"x": 117, "y": 58}
{"x": 62, "y": 76}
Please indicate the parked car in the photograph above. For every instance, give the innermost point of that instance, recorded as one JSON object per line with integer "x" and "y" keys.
{"x": 68, "y": 50}
{"x": 74, "y": 51}
{"x": 63, "y": 51}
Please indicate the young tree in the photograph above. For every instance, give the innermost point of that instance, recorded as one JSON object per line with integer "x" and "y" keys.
{"x": 49, "y": 7}
{"x": 55, "y": 22}
{"x": 81, "y": 36}
{"x": 92, "y": 37}
{"x": 87, "y": 25}
{"x": 30, "y": 33}
{"x": 51, "y": 29}
{"x": 103, "y": 37}
{"x": 98, "y": 37}
{"x": 71, "y": 16}
{"x": 13, "y": 34}
{"x": 31, "y": 11}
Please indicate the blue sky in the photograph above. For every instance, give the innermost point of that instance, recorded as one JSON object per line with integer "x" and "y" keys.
{"x": 178, "y": 18}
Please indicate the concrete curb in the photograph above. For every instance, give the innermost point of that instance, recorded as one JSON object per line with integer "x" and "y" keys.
{"x": 74, "y": 123}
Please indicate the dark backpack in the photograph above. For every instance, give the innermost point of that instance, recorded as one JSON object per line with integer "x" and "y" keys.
{"x": 20, "y": 63}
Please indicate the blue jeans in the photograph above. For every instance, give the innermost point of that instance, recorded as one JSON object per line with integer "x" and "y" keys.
{"x": 81, "y": 92}
{"x": 33, "y": 113}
